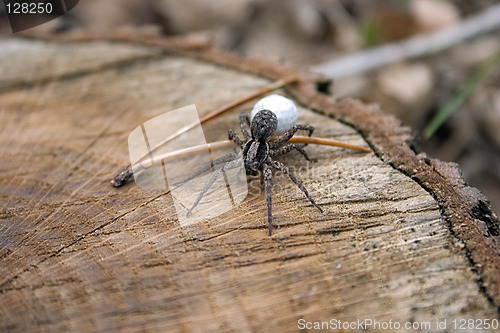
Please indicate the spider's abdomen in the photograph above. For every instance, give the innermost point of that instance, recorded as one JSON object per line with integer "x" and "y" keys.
{"x": 263, "y": 125}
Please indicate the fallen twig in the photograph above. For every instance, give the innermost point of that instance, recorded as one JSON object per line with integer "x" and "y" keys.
{"x": 417, "y": 46}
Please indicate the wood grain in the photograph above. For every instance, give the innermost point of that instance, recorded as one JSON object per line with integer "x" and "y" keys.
{"x": 77, "y": 254}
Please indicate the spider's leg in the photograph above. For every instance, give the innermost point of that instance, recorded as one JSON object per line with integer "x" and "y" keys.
{"x": 283, "y": 168}
{"x": 262, "y": 179}
{"x": 227, "y": 166}
{"x": 289, "y": 147}
{"x": 245, "y": 130}
{"x": 223, "y": 159}
{"x": 291, "y": 132}
{"x": 267, "y": 175}
{"x": 236, "y": 138}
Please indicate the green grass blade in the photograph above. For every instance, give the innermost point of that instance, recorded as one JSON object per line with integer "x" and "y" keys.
{"x": 484, "y": 70}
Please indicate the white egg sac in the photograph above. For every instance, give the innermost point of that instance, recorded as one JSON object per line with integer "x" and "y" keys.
{"x": 283, "y": 108}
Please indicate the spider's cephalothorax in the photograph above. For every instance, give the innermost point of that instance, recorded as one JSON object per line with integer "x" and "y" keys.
{"x": 256, "y": 150}
{"x": 258, "y": 153}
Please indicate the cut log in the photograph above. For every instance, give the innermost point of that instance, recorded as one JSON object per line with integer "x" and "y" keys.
{"x": 402, "y": 238}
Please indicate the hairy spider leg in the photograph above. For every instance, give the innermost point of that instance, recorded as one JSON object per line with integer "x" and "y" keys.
{"x": 231, "y": 160}
{"x": 288, "y": 148}
{"x": 244, "y": 127}
{"x": 290, "y": 133}
{"x": 283, "y": 168}
{"x": 267, "y": 176}
{"x": 227, "y": 166}
{"x": 236, "y": 138}
{"x": 223, "y": 159}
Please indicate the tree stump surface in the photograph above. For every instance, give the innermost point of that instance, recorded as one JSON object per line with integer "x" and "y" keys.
{"x": 402, "y": 237}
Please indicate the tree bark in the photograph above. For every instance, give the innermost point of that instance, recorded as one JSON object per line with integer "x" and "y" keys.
{"x": 402, "y": 237}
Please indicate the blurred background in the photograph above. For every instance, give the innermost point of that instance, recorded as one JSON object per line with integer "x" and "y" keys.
{"x": 459, "y": 84}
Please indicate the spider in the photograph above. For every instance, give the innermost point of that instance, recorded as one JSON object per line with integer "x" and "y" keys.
{"x": 258, "y": 153}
